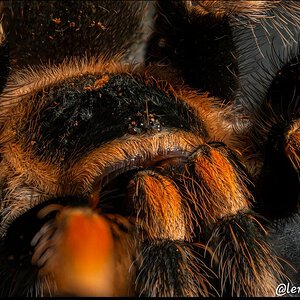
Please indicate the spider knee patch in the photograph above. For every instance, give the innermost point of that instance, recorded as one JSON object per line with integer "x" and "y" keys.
{"x": 292, "y": 138}
{"x": 159, "y": 208}
{"x": 216, "y": 185}
{"x": 92, "y": 267}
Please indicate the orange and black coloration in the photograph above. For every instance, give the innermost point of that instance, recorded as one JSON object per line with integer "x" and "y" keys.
{"x": 124, "y": 180}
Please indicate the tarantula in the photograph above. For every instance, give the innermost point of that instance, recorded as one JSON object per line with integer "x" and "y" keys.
{"x": 141, "y": 162}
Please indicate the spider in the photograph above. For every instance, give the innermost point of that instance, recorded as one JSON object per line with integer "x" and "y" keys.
{"x": 138, "y": 162}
